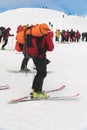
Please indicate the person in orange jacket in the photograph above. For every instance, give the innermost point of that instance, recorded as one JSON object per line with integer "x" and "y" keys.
{"x": 20, "y": 47}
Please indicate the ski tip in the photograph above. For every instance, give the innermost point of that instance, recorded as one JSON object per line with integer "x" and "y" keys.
{"x": 9, "y": 101}
{"x": 7, "y": 86}
{"x": 78, "y": 94}
{"x": 12, "y": 102}
{"x": 64, "y": 86}
{"x": 4, "y": 87}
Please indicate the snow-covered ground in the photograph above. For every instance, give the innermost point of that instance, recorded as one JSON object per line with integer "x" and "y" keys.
{"x": 68, "y": 66}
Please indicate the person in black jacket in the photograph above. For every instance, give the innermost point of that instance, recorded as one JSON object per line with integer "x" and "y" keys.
{"x": 6, "y": 34}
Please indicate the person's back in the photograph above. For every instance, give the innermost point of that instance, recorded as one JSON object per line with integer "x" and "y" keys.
{"x": 41, "y": 66}
{"x": 47, "y": 41}
{"x": 37, "y": 46}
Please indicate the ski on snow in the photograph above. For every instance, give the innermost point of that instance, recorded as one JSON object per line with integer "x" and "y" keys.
{"x": 58, "y": 89}
{"x": 3, "y": 87}
{"x": 71, "y": 97}
{"x": 25, "y": 97}
{"x": 23, "y": 72}
{"x": 28, "y": 98}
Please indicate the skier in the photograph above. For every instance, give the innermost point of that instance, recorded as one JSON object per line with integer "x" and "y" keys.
{"x": 1, "y": 32}
{"x": 72, "y": 35}
{"x": 57, "y": 36}
{"x": 77, "y": 35}
{"x": 20, "y": 47}
{"x": 41, "y": 67}
{"x": 26, "y": 58}
{"x": 6, "y": 34}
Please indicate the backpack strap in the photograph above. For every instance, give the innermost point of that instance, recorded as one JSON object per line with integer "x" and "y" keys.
{"x": 40, "y": 30}
{"x": 39, "y": 45}
{"x": 28, "y": 39}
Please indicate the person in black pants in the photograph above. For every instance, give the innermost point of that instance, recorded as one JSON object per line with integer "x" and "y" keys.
{"x": 41, "y": 68}
{"x": 25, "y": 59}
{"x": 6, "y": 34}
{"x": 40, "y": 62}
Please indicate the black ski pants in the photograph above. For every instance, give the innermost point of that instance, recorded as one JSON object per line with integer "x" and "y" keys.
{"x": 25, "y": 59}
{"x": 24, "y": 62}
{"x": 5, "y": 43}
{"x": 41, "y": 68}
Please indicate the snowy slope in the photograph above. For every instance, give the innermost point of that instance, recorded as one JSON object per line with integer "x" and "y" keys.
{"x": 35, "y": 15}
{"x": 68, "y": 66}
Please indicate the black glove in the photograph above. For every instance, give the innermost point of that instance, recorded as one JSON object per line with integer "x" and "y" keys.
{"x": 47, "y": 61}
{"x": 12, "y": 35}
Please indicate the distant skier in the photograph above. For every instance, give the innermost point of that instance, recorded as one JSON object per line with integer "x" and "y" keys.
{"x": 72, "y": 35}
{"x": 1, "y": 32}
{"x": 6, "y": 34}
{"x": 57, "y": 35}
{"x": 77, "y": 35}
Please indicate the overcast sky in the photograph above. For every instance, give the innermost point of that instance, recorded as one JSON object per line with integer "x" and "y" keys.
{"x": 78, "y": 7}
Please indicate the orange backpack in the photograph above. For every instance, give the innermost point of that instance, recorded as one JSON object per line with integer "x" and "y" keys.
{"x": 37, "y": 30}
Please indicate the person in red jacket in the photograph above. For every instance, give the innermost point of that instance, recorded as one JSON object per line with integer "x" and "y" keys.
{"x": 6, "y": 34}
{"x": 20, "y": 28}
{"x": 41, "y": 66}
{"x": 77, "y": 35}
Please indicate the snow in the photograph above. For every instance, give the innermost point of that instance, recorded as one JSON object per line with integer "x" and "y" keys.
{"x": 68, "y": 66}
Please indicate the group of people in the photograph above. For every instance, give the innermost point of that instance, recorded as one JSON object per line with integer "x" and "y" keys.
{"x": 26, "y": 58}
{"x": 4, "y": 35}
{"x": 67, "y": 36}
{"x": 40, "y": 61}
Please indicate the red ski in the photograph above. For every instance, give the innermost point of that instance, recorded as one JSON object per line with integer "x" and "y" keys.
{"x": 69, "y": 97}
{"x": 28, "y": 98}
{"x": 3, "y": 87}
{"x": 58, "y": 89}
{"x": 49, "y": 91}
